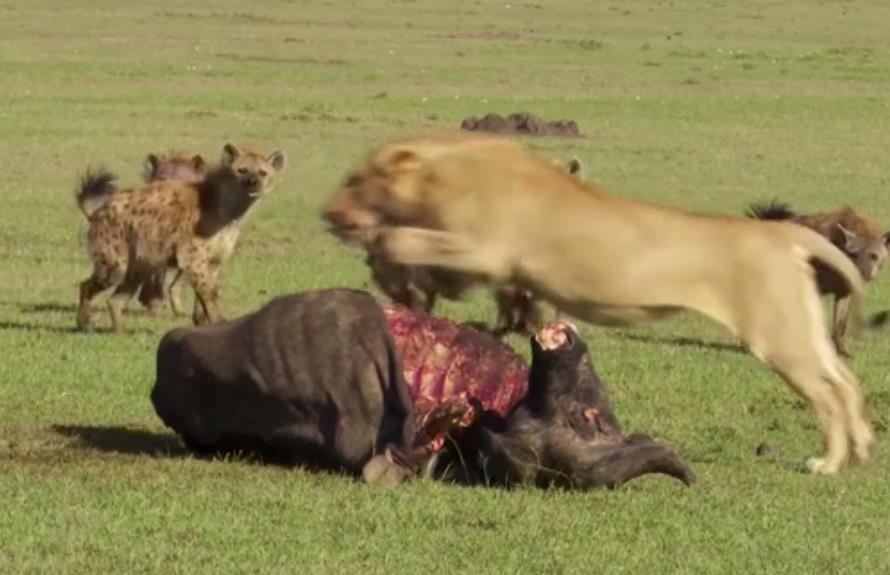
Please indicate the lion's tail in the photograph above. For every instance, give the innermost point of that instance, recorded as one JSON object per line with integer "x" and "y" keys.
{"x": 819, "y": 248}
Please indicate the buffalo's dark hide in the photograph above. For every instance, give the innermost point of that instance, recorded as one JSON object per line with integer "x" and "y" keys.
{"x": 319, "y": 379}
{"x": 311, "y": 378}
{"x": 563, "y": 432}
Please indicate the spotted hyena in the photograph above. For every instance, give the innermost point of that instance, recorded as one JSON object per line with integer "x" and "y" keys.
{"x": 192, "y": 226}
{"x": 182, "y": 166}
{"x": 185, "y": 167}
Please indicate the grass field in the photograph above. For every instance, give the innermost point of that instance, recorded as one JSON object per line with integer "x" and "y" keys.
{"x": 703, "y": 104}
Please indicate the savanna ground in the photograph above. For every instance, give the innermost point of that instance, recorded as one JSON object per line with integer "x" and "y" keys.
{"x": 706, "y": 105}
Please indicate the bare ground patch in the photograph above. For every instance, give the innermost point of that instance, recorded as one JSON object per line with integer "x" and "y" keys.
{"x": 486, "y": 35}
{"x": 296, "y": 60}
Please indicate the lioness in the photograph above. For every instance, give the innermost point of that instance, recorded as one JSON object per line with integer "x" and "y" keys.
{"x": 418, "y": 287}
{"x": 486, "y": 206}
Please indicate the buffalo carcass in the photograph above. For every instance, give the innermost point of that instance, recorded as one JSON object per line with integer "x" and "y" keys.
{"x": 309, "y": 379}
{"x": 563, "y": 432}
{"x": 330, "y": 379}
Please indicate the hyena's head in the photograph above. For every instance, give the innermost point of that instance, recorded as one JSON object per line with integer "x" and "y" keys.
{"x": 254, "y": 172}
{"x": 180, "y": 166}
{"x": 868, "y": 249}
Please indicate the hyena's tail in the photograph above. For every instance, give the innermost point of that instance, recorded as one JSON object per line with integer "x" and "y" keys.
{"x": 775, "y": 210}
{"x": 94, "y": 189}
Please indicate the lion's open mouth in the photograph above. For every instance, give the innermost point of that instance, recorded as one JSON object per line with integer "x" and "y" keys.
{"x": 353, "y": 233}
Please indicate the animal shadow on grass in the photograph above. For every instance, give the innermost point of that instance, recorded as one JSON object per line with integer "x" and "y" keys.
{"x": 70, "y": 308}
{"x": 125, "y": 440}
{"x": 24, "y": 326}
{"x": 684, "y": 342}
{"x": 35, "y": 327}
{"x": 51, "y": 307}
{"x": 142, "y": 442}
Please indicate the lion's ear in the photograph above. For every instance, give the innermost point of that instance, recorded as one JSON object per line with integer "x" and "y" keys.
{"x": 402, "y": 160}
{"x": 574, "y": 167}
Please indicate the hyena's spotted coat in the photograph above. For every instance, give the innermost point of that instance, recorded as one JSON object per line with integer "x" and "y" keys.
{"x": 184, "y": 167}
{"x": 191, "y": 226}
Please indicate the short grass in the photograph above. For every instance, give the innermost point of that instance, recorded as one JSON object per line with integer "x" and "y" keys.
{"x": 707, "y": 105}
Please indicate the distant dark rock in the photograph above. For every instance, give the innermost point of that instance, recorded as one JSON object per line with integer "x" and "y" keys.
{"x": 521, "y": 123}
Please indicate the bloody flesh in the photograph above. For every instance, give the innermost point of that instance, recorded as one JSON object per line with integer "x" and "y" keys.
{"x": 453, "y": 372}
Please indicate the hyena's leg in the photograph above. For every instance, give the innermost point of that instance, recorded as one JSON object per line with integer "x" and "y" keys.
{"x": 173, "y": 294}
{"x": 152, "y": 292}
{"x": 120, "y": 297}
{"x": 107, "y": 272}
{"x": 204, "y": 277}
{"x": 199, "y": 311}
{"x": 395, "y": 281}
{"x": 839, "y": 327}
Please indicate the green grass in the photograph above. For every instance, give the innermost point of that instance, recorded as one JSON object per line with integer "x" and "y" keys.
{"x": 706, "y": 105}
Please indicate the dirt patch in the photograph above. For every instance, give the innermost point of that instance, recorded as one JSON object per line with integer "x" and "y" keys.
{"x": 481, "y": 35}
{"x": 521, "y": 123}
{"x": 321, "y": 117}
{"x": 248, "y": 18}
{"x": 282, "y": 60}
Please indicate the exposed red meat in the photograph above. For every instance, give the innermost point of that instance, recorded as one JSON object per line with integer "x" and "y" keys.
{"x": 453, "y": 372}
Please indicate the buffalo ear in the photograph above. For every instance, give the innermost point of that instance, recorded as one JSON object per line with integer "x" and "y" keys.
{"x": 231, "y": 152}
{"x": 150, "y": 165}
{"x": 278, "y": 160}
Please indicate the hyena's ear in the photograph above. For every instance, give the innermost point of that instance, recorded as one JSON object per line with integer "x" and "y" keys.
{"x": 574, "y": 167}
{"x": 150, "y": 165}
{"x": 198, "y": 162}
{"x": 846, "y": 239}
{"x": 887, "y": 239}
{"x": 277, "y": 160}
{"x": 231, "y": 152}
